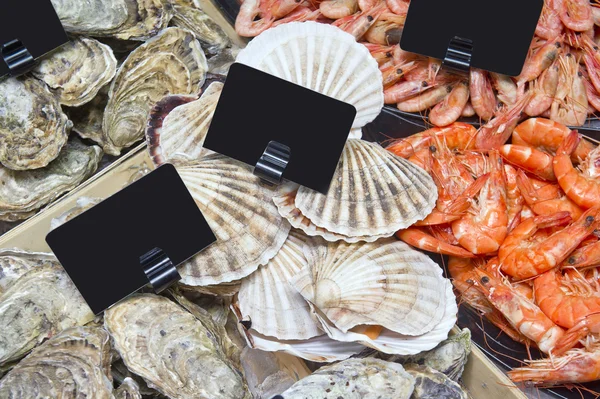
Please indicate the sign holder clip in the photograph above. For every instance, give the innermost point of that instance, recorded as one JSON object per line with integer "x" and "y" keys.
{"x": 271, "y": 165}
{"x": 458, "y": 54}
{"x": 18, "y": 59}
{"x": 159, "y": 269}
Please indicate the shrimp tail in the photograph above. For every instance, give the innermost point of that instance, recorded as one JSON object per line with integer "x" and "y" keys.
{"x": 585, "y": 326}
{"x": 462, "y": 203}
{"x": 569, "y": 144}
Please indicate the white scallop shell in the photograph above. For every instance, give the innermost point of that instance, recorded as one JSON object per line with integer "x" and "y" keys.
{"x": 322, "y": 58}
{"x": 384, "y": 283}
{"x": 275, "y": 308}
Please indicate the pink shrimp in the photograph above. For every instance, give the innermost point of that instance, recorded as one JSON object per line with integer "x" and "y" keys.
{"x": 450, "y": 109}
{"x": 544, "y": 89}
{"x": 397, "y": 6}
{"x": 425, "y": 100}
{"x": 404, "y": 90}
{"x": 549, "y": 25}
{"x": 538, "y": 61}
{"x": 458, "y": 135}
{"x": 336, "y": 9}
{"x": 358, "y": 24}
{"x": 533, "y": 161}
{"x": 482, "y": 94}
{"x": 506, "y": 88}
{"x": 576, "y": 14}
{"x": 420, "y": 239}
{"x": 570, "y": 101}
{"x": 514, "y": 199}
{"x": 247, "y": 24}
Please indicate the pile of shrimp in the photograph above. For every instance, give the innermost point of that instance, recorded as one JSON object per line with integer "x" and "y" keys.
{"x": 521, "y": 225}
{"x": 560, "y": 78}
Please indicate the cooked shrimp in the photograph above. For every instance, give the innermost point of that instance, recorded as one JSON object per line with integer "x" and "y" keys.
{"x": 498, "y": 130}
{"x": 405, "y": 90}
{"x": 394, "y": 73}
{"x": 425, "y": 100}
{"x": 514, "y": 199}
{"x": 537, "y": 62}
{"x": 506, "y": 88}
{"x": 422, "y": 158}
{"x": 468, "y": 111}
{"x": 365, "y": 5}
{"x": 300, "y": 14}
{"x": 544, "y": 90}
{"x": 533, "y": 161}
{"x": 482, "y": 94}
{"x": 476, "y": 162}
{"x": 523, "y": 255}
{"x": 570, "y": 101}
{"x": 384, "y": 32}
{"x": 549, "y": 25}
{"x": 282, "y": 8}
{"x": 397, "y": 6}
{"x": 484, "y": 227}
{"x": 592, "y": 94}
{"x": 253, "y": 19}
{"x": 381, "y": 53}
{"x": 420, "y": 239}
{"x": 455, "y": 136}
{"x": 336, "y": 9}
{"x": 449, "y": 110}
{"x": 576, "y": 14}
{"x": 358, "y": 24}
{"x": 443, "y": 232}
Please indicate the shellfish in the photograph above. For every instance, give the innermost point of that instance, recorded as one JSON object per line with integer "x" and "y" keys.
{"x": 169, "y": 63}
{"x": 211, "y": 36}
{"x": 129, "y": 389}
{"x": 431, "y": 384}
{"x": 87, "y": 119}
{"x": 14, "y": 263}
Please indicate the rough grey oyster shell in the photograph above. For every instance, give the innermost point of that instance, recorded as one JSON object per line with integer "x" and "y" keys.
{"x": 87, "y": 119}
{"x": 73, "y": 364}
{"x": 33, "y": 127}
{"x": 24, "y": 192}
{"x": 220, "y": 63}
{"x": 14, "y": 263}
{"x": 169, "y": 63}
{"x": 171, "y": 349}
{"x": 78, "y": 70}
{"x": 39, "y": 304}
{"x": 129, "y": 389}
{"x": 121, "y": 374}
{"x": 431, "y": 384}
{"x": 355, "y": 379}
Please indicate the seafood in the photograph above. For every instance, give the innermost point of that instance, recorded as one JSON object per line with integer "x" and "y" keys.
{"x": 570, "y": 104}
{"x": 358, "y": 24}
{"x": 420, "y": 239}
{"x": 549, "y": 25}
{"x": 428, "y": 380}
{"x": 506, "y": 88}
{"x": 527, "y": 158}
{"x": 87, "y": 119}
{"x": 335, "y": 9}
{"x": 498, "y": 130}
{"x": 576, "y": 14}
{"x": 33, "y": 127}
{"x": 425, "y": 100}
{"x": 355, "y": 379}
{"x": 253, "y": 19}
{"x": 14, "y": 263}
{"x": 482, "y": 95}
{"x": 544, "y": 90}
{"x": 78, "y": 70}
{"x": 171, "y": 349}
{"x": 450, "y": 109}
{"x": 538, "y": 61}
{"x": 74, "y": 362}
{"x": 129, "y": 389}
{"x": 455, "y": 136}
{"x": 169, "y": 63}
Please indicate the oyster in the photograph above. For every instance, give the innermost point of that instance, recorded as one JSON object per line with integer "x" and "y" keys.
{"x": 87, "y": 119}
{"x": 220, "y": 63}
{"x": 24, "y": 192}
{"x": 275, "y": 308}
{"x": 14, "y": 263}
{"x": 33, "y": 127}
{"x": 354, "y": 379}
{"x": 78, "y": 70}
{"x": 129, "y": 389}
{"x": 431, "y": 384}
{"x": 82, "y": 205}
{"x": 170, "y": 63}
{"x": 72, "y": 364}
{"x": 178, "y": 124}
{"x": 373, "y": 193}
{"x": 344, "y": 281}
{"x": 171, "y": 349}
{"x": 240, "y": 212}
{"x": 121, "y": 375}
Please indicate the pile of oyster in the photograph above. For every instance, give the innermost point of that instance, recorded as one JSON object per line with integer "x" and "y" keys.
{"x": 123, "y": 57}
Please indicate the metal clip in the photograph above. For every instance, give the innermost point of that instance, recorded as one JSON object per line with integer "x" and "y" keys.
{"x": 17, "y": 57}
{"x": 272, "y": 163}
{"x": 159, "y": 269}
{"x": 458, "y": 55}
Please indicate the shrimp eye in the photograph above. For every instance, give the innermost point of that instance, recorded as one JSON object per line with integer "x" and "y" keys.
{"x": 448, "y": 89}
{"x": 399, "y": 71}
{"x": 569, "y": 55}
{"x": 485, "y": 279}
{"x": 579, "y": 74}
{"x": 369, "y": 18}
{"x": 596, "y": 48}
{"x": 424, "y": 84}
{"x": 571, "y": 260}
{"x": 557, "y": 44}
{"x": 432, "y": 148}
{"x": 246, "y": 323}
{"x": 388, "y": 54}
{"x": 589, "y": 220}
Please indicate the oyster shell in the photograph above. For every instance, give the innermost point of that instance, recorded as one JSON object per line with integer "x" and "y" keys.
{"x": 87, "y": 119}
{"x": 74, "y": 363}
{"x": 171, "y": 349}
{"x": 129, "y": 389}
{"x": 41, "y": 303}
{"x": 220, "y": 63}
{"x": 24, "y": 192}
{"x": 178, "y": 124}
{"x": 239, "y": 210}
{"x": 227, "y": 289}
{"x": 78, "y": 70}
{"x": 121, "y": 374}
{"x": 211, "y": 36}
{"x": 431, "y": 384}
{"x": 82, "y": 205}
{"x": 373, "y": 193}
{"x": 385, "y": 284}
{"x": 14, "y": 263}
{"x": 145, "y": 19}
{"x": 355, "y": 379}
{"x": 33, "y": 127}
{"x": 169, "y": 63}
{"x": 274, "y": 306}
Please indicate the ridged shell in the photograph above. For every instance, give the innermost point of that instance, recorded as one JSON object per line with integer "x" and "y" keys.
{"x": 169, "y": 63}
{"x": 323, "y": 58}
{"x": 172, "y": 350}
{"x": 211, "y": 36}
{"x": 78, "y": 70}
{"x": 373, "y": 193}
{"x": 240, "y": 212}
{"x": 14, "y": 263}
{"x": 129, "y": 389}
{"x": 355, "y": 379}
{"x": 38, "y": 305}
{"x": 24, "y": 192}
{"x": 87, "y": 119}
{"x": 393, "y": 343}
{"x": 178, "y": 124}
{"x": 82, "y": 204}
{"x": 227, "y": 289}
{"x": 384, "y": 283}
{"x": 274, "y": 306}
{"x": 33, "y": 127}
{"x": 72, "y": 364}
{"x": 428, "y": 380}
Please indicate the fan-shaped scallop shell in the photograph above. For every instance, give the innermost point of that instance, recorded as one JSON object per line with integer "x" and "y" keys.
{"x": 372, "y": 193}
{"x": 322, "y": 58}
{"x": 384, "y": 283}
{"x": 78, "y": 70}
{"x": 169, "y": 63}
{"x": 274, "y": 306}
{"x": 240, "y": 211}
{"x": 33, "y": 127}
{"x": 178, "y": 124}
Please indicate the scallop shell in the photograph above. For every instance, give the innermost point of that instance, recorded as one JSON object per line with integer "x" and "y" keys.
{"x": 170, "y": 63}
{"x": 240, "y": 212}
{"x": 39, "y": 304}
{"x": 172, "y": 350}
{"x": 74, "y": 363}
{"x": 82, "y": 204}
{"x": 178, "y": 125}
{"x": 274, "y": 306}
{"x": 78, "y": 70}
{"x": 322, "y": 58}
{"x": 22, "y": 193}
{"x": 355, "y": 379}
{"x": 385, "y": 283}
{"x": 87, "y": 119}
{"x": 14, "y": 263}
{"x": 33, "y": 127}
{"x": 227, "y": 289}
{"x": 129, "y": 389}
{"x": 373, "y": 193}
{"x": 428, "y": 380}
{"x": 211, "y": 36}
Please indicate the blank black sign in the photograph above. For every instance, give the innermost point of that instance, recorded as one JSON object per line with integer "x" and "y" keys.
{"x": 501, "y": 31}
{"x": 35, "y": 23}
{"x": 101, "y": 248}
{"x": 256, "y": 107}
